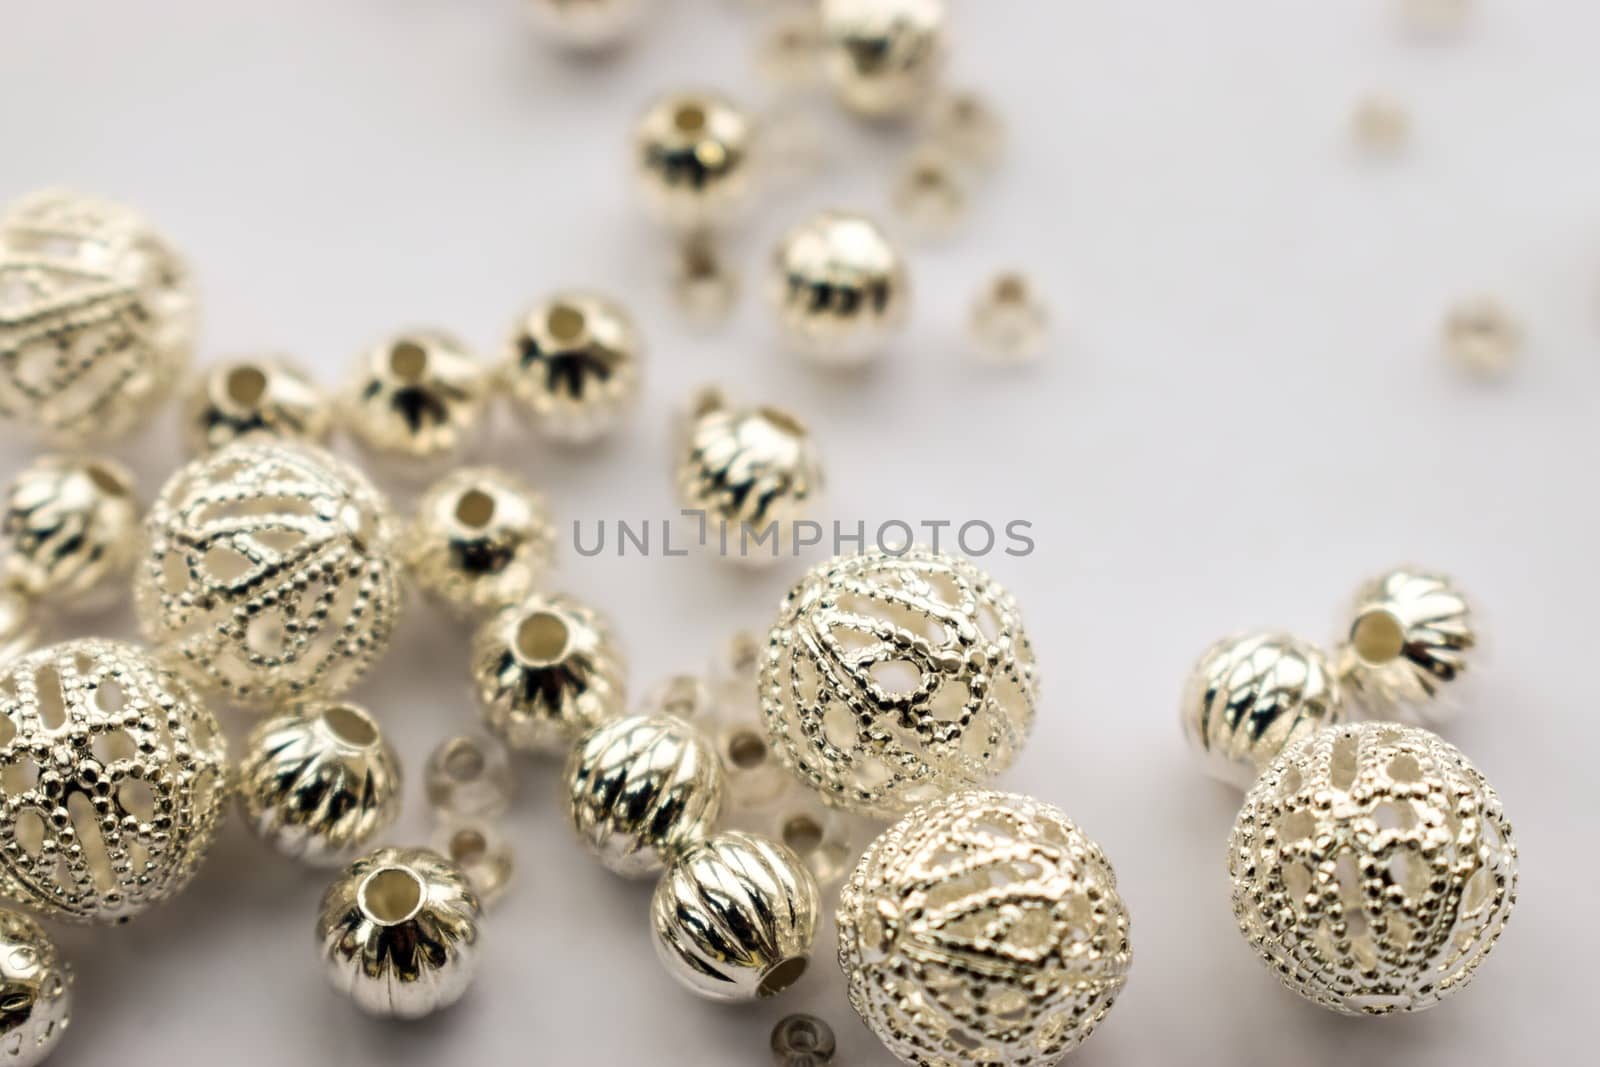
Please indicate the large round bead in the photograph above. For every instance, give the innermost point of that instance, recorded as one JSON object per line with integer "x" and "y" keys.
{"x": 97, "y": 318}
{"x": 983, "y": 928}
{"x": 481, "y": 539}
{"x": 1253, "y": 695}
{"x": 318, "y": 783}
{"x": 642, "y": 789}
{"x": 417, "y": 402}
{"x": 692, "y": 151}
{"x": 572, "y": 367}
{"x": 112, "y": 781}
{"x": 398, "y": 932}
{"x": 883, "y": 57}
{"x": 36, "y": 984}
{"x": 1409, "y": 647}
{"x": 840, "y": 289}
{"x": 70, "y": 531}
{"x": 890, "y": 680}
{"x": 271, "y": 573}
{"x": 1372, "y": 868}
{"x": 735, "y": 917}
{"x": 268, "y": 397}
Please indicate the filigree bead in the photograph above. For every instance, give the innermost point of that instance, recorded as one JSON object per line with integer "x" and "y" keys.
{"x": 840, "y": 289}
{"x": 398, "y": 932}
{"x": 37, "y": 984}
{"x": 319, "y": 783}
{"x": 470, "y": 776}
{"x": 417, "y": 403}
{"x": 114, "y": 777}
{"x": 983, "y": 928}
{"x": 883, "y": 57}
{"x": 1409, "y": 646}
{"x": 572, "y": 367}
{"x": 97, "y": 318}
{"x": 481, "y": 539}
{"x": 585, "y": 25}
{"x": 481, "y": 852}
{"x": 269, "y": 397}
{"x": 1373, "y": 868}
{"x": 890, "y": 680}
{"x": 271, "y": 573}
{"x": 692, "y": 153}
{"x": 70, "y": 532}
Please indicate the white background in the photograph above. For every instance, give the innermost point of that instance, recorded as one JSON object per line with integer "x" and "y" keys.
{"x": 1243, "y": 413}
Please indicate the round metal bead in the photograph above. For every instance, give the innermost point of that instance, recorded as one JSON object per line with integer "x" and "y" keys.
{"x": 585, "y": 25}
{"x": 839, "y": 288}
{"x": 1253, "y": 695}
{"x": 692, "y": 151}
{"x": 642, "y": 789}
{"x": 37, "y": 984}
{"x": 482, "y": 853}
{"x": 319, "y": 783}
{"x": 1409, "y": 646}
{"x": 883, "y": 57}
{"x": 470, "y": 776}
{"x": 70, "y": 531}
{"x": 114, "y": 777}
{"x": 417, "y": 403}
{"x": 271, "y": 573}
{"x": 481, "y": 539}
{"x": 97, "y": 318}
{"x": 891, "y": 680}
{"x": 1373, "y": 868}
{"x": 398, "y": 932}
{"x": 572, "y": 367}
{"x": 268, "y": 397}
{"x": 998, "y": 919}
{"x": 735, "y": 917}
{"x": 547, "y": 671}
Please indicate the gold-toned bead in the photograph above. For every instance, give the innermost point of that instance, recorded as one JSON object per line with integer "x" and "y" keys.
{"x": 930, "y": 195}
{"x": 1380, "y": 125}
{"x": 481, "y": 539}
{"x": 703, "y": 286}
{"x": 964, "y": 124}
{"x": 1009, "y": 320}
{"x": 789, "y": 53}
{"x": 692, "y": 151}
{"x": 70, "y": 532}
{"x": 97, "y": 318}
{"x": 840, "y": 289}
{"x": 270, "y": 396}
{"x": 573, "y": 366}
{"x": 482, "y": 853}
{"x": 547, "y": 671}
{"x": 1409, "y": 647}
{"x": 417, "y": 403}
{"x": 883, "y": 57}
{"x": 586, "y": 25}
{"x": 38, "y": 991}
{"x": 1482, "y": 337}
{"x": 470, "y": 776}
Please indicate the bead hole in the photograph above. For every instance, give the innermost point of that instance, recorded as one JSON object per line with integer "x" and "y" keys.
{"x": 803, "y": 834}
{"x": 350, "y": 725}
{"x": 1378, "y": 637}
{"x": 566, "y": 323}
{"x": 408, "y": 360}
{"x": 781, "y": 976}
{"x": 464, "y": 761}
{"x": 391, "y": 895}
{"x": 475, "y": 508}
{"x": 245, "y": 385}
{"x": 542, "y": 637}
{"x": 747, "y": 750}
{"x": 468, "y": 846}
{"x": 689, "y": 118}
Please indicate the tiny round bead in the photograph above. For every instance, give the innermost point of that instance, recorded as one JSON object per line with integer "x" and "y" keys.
{"x": 585, "y": 25}
{"x": 70, "y": 532}
{"x": 964, "y": 124}
{"x": 417, "y": 403}
{"x": 481, "y": 539}
{"x": 883, "y": 57}
{"x": 481, "y": 852}
{"x": 572, "y": 367}
{"x": 683, "y": 696}
{"x": 803, "y": 1041}
{"x": 271, "y": 397}
{"x": 692, "y": 151}
{"x": 470, "y": 776}
{"x": 1009, "y": 320}
{"x": 755, "y": 776}
{"x": 789, "y": 53}
{"x": 1409, "y": 646}
{"x": 931, "y": 193}
{"x": 839, "y": 288}
{"x": 703, "y": 287}
{"x": 826, "y": 840}
{"x": 1380, "y": 125}
{"x": 38, "y": 991}
{"x": 1482, "y": 338}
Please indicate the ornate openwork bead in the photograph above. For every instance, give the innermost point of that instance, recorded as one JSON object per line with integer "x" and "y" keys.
{"x": 319, "y": 783}
{"x": 37, "y": 984}
{"x": 585, "y": 25}
{"x": 112, "y": 781}
{"x": 547, "y": 671}
{"x": 692, "y": 153}
{"x": 883, "y": 57}
{"x": 97, "y": 318}
{"x": 983, "y": 928}
{"x": 1373, "y": 868}
{"x": 1253, "y": 695}
{"x": 417, "y": 402}
{"x": 891, "y": 680}
{"x": 70, "y": 532}
{"x": 735, "y": 917}
{"x": 839, "y": 288}
{"x": 572, "y": 367}
{"x": 1409, "y": 646}
{"x": 398, "y": 932}
{"x": 269, "y": 397}
{"x": 481, "y": 539}
{"x": 271, "y": 573}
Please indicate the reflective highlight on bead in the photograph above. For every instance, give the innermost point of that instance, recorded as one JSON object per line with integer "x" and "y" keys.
{"x": 70, "y": 531}
{"x": 883, "y": 57}
{"x": 37, "y": 982}
{"x": 416, "y": 403}
{"x": 482, "y": 538}
{"x": 270, "y": 397}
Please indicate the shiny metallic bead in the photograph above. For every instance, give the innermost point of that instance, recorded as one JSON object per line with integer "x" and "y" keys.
{"x": 931, "y": 193}
{"x": 840, "y": 289}
{"x": 270, "y": 574}
{"x": 97, "y": 318}
{"x": 803, "y": 1041}
{"x": 481, "y": 539}
{"x": 481, "y": 852}
{"x": 470, "y": 776}
{"x": 319, "y": 783}
{"x": 19, "y": 632}
{"x": 1009, "y": 320}
{"x": 704, "y": 287}
{"x": 891, "y": 680}
{"x": 70, "y": 531}
{"x": 573, "y": 367}
{"x": 735, "y": 918}
{"x": 547, "y": 671}
{"x": 114, "y": 777}
{"x": 586, "y": 25}
{"x": 983, "y": 928}
{"x": 965, "y": 124}
{"x": 1482, "y": 337}
{"x": 1373, "y": 868}
{"x": 417, "y": 403}
{"x": 1409, "y": 646}
{"x": 1253, "y": 695}
{"x": 642, "y": 789}
{"x": 269, "y": 397}
{"x": 398, "y": 932}
{"x": 692, "y": 154}
{"x": 37, "y": 992}
{"x": 883, "y": 58}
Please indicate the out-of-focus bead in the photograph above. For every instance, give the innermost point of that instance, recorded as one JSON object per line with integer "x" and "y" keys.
{"x": 573, "y": 365}
{"x": 1380, "y": 125}
{"x": 1435, "y": 18}
{"x": 470, "y": 776}
{"x": 683, "y": 696}
{"x": 826, "y": 840}
{"x": 964, "y": 124}
{"x": 1410, "y": 646}
{"x": 840, "y": 289}
{"x": 930, "y": 194}
{"x": 417, "y": 403}
{"x": 1482, "y": 337}
{"x": 70, "y": 532}
{"x": 692, "y": 151}
{"x": 271, "y": 397}
{"x": 586, "y": 25}
{"x": 883, "y": 57}
{"x": 482, "y": 853}
{"x": 481, "y": 539}
{"x": 1010, "y": 322}
{"x": 803, "y": 1041}
{"x": 38, "y": 991}
{"x": 789, "y": 53}
{"x": 703, "y": 287}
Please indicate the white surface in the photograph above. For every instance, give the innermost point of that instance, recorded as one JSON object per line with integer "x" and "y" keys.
{"x": 1243, "y": 414}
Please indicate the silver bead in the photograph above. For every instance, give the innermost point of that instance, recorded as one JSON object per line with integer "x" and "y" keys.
{"x": 890, "y": 680}
{"x": 1409, "y": 646}
{"x": 270, "y": 397}
{"x": 319, "y": 783}
{"x": 417, "y": 403}
{"x": 470, "y": 776}
{"x": 735, "y": 918}
{"x": 114, "y": 777}
{"x": 983, "y": 928}
{"x": 70, "y": 531}
{"x": 481, "y": 539}
{"x": 97, "y": 318}
{"x": 803, "y": 1041}
{"x": 1253, "y": 695}
{"x": 572, "y": 367}
{"x": 883, "y": 57}
{"x": 840, "y": 289}
{"x": 692, "y": 155}
{"x": 19, "y": 632}
{"x": 547, "y": 671}
{"x": 398, "y": 932}
{"x": 642, "y": 789}
{"x": 1372, "y": 868}
{"x": 37, "y": 986}
{"x": 1009, "y": 320}
{"x": 270, "y": 573}
{"x": 481, "y": 852}
{"x": 586, "y": 25}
